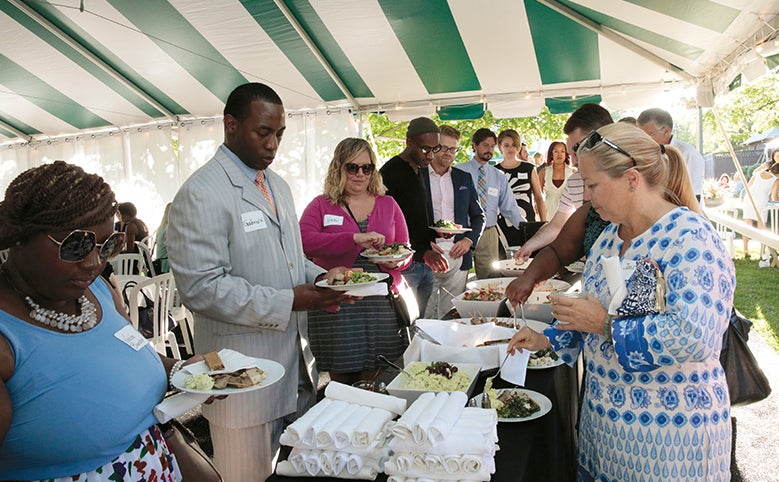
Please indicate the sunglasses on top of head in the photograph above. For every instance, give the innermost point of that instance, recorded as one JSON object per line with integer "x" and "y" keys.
{"x": 594, "y": 137}
{"x": 79, "y": 244}
{"x": 353, "y": 168}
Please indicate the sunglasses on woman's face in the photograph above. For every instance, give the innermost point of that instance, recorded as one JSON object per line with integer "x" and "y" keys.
{"x": 594, "y": 137}
{"x": 79, "y": 243}
{"x": 353, "y": 168}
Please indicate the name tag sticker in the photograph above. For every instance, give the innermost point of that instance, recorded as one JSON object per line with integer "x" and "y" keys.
{"x": 521, "y": 175}
{"x": 333, "y": 220}
{"x": 493, "y": 191}
{"x": 131, "y": 337}
{"x": 252, "y": 221}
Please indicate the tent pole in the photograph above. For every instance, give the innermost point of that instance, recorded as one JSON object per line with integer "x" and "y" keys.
{"x": 614, "y": 37}
{"x": 16, "y": 131}
{"x": 317, "y": 53}
{"x": 91, "y": 57}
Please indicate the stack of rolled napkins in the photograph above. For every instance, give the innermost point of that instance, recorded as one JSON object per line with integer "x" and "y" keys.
{"x": 344, "y": 435}
{"x": 438, "y": 438}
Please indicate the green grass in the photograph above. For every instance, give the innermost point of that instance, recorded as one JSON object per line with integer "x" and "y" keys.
{"x": 757, "y": 297}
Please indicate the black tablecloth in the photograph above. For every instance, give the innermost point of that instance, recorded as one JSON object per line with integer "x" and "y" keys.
{"x": 541, "y": 449}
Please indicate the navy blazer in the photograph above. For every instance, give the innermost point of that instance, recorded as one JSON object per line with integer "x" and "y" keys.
{"x": 467, "y": 211}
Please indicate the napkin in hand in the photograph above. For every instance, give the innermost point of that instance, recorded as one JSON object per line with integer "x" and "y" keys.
{"x": 515, "y": 368}
{"x": 616, "y": 282}
{"x": 232, "y": 360}
{"x": 178, "y": 405}
{"x": 377, "y": 289}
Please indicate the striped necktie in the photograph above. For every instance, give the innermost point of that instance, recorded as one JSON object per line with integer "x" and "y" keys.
{"x": 259, "y": 181}
{"x": 481, "y": 187}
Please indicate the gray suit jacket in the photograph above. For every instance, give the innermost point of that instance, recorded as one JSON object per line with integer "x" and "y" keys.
{"x": 235, "y": 265}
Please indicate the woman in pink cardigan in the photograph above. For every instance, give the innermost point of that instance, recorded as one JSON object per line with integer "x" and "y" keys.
{"x": 351, "y": 215}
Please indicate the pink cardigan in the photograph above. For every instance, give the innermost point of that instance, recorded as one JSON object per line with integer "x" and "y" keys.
{"x": 333, "y": 245}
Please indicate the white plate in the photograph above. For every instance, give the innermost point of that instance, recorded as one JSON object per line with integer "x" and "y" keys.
{"x": 386, "y": 257}
{"x": 353, "y": 286}
{"x": 509, "y": 267}
{"x": 449, "y": 230}
{"x": 576, "y": 267}
{"x": 556, "y": 363}
{"x": 535, "y": 325}
{"x": 273, "y": 373}
{"x": 541, "y": 400}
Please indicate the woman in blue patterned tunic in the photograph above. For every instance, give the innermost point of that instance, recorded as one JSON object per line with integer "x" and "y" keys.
{"x": 656, "y": 401}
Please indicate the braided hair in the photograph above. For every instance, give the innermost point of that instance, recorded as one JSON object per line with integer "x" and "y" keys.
{"x": 53, "y": 197}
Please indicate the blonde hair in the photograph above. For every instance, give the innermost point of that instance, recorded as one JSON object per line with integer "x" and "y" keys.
{"x": 345, "y": 152}
{"x": 662, "y": 167}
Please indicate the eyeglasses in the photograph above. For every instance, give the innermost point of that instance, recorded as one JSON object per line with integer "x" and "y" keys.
{"x": 353, "y": 168}
{"x": 594, "y": 137}
{"x": 79, "y": 243}
{"x": 427, "y": 149}
{"x": 450, "y": 150}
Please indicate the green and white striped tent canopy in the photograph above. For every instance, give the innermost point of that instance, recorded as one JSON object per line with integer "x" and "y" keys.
{"x": 69, "y": 66}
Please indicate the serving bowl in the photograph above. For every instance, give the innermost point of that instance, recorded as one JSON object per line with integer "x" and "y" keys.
{"x": 398, "y": 386}
{"x": 469, "y": 308}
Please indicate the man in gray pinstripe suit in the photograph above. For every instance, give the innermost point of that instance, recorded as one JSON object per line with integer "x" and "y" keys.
{"x": 239, "y": 266}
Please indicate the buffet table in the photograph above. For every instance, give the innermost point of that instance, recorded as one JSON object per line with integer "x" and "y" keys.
{"x": 541, "y": 449}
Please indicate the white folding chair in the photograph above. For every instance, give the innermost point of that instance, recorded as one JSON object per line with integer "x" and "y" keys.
{"x": 144, "y": 250}
{"x": 160, "y": 290}
{"x": 149, "y": 241}
{"x": 128, "y": 263}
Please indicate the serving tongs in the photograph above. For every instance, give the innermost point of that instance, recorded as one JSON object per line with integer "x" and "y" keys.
{"x": 384, "y": 359}
{"x": 424, "y": 335}
{"x": 485, "y": 399}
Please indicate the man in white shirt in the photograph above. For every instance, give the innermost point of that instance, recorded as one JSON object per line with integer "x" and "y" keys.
{"x": 452, "y": 197}
{"x": 494, "y": 193}
{"x": 659, "y": 124}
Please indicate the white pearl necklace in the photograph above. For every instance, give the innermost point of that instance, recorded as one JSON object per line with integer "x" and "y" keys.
{"x": 64, "y": 321}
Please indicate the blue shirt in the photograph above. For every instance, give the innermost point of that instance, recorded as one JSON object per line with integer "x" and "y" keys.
{"x": 79, "y": 400}
{"x": 499, "y": 195}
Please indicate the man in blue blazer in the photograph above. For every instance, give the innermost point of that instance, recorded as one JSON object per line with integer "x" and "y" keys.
{"x": 451, "y": 195}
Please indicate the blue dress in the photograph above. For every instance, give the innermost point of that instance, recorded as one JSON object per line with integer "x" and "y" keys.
{"x": 656, "y": 401}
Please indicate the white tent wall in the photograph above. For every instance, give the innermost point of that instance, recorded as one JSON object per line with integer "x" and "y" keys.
{"x": 142, "y": 167}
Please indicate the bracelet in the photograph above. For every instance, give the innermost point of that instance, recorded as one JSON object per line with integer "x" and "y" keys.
{"x": 607, "y": 326}
{"x": 176, "y": 367}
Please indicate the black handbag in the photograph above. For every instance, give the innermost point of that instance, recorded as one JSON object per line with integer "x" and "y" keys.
{"x": 746, "y": 381}
{"x": 194, "y": 464}
{"x": 145, "y": 312}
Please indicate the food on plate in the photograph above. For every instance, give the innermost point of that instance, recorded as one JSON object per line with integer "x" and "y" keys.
{"x": 392, "y": 249}
{"x": 201, "y": 381}
{"x": 546, "y": 286}
{"x": 437, "y": 376}
{"x": 351, "y": 277}
{"x": 485, "y": 293}
{"x": 446, "y": 224}
{"x": 512, "y": 404}
{"x": 543, "y": 358}
{"x": 480, "y": 320}
{"x": 213, "y": 361}
{"x": 243, "y": 378}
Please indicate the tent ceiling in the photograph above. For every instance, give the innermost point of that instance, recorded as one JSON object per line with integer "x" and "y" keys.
{"x": 120, "y": 63}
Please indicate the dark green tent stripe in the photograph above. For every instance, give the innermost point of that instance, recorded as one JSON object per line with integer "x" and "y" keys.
{"x": 166, "y": 27}
{"x": 321, "y": 36}
{"x": 283, "y": 34}
{"x": 461, "y": 112}
{"x": 707, "y": 14}
{"x": 90, "y": 43}
{"x": 772, "y": 62}
{"x": 429, "y": 35}
{"x": 7, "y": 134}
{"x": 570, "y": 55}
{"x": 668, "y": 44}
{"x": 25, "y": 84}
{"x": 564, "y": 105}
{"x": 17, "y": 124}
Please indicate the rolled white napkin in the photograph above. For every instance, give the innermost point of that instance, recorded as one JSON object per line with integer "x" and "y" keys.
{"x": 339, "y": 462}
{"x": 316, "y": 425}
{"x": 474, "y": 444}
{"x": 396, "y": 478}
{"x": 404, "y": 428}
{"x": 326, "y": 462}
{"x": 484, "y": 474}
{"x": 615, "y": 279}
{"x": 298, "y": 428}
{"x": 325, "y": 437}
{"x": 452, "y": 464}
{"x": 298, "y": 460}
{"x": 378, "y": 289}
{"x": 471, "y": 463}
{"x": 447, "y": 417}
{"x": 425, "y": 420}
{"x": 434, "y": 463}
{"x": 312, "y": 462}
{"x": 178, "y": 405}
{"x": 354, "y": 463}
{"x": 342, "y": 437}
{"x": 339, "y": 391}
{"x": 286, "y": 469}
{"x": 404, "y": 461}
{"x": 419, "y": 459}
{"x": 371, "y": 427}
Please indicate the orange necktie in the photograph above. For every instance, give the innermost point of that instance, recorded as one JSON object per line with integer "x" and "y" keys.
{"x": 260, "y": 182}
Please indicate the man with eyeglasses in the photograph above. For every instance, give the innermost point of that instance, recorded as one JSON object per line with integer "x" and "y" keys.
{"x": 403, "y": 177}
{"x": 452, "y": 197}
{"x": 494, "y": 194}
{"x": 659, "y": 125}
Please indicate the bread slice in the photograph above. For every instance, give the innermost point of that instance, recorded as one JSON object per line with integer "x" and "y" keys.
{"x": 213, "y": 361}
